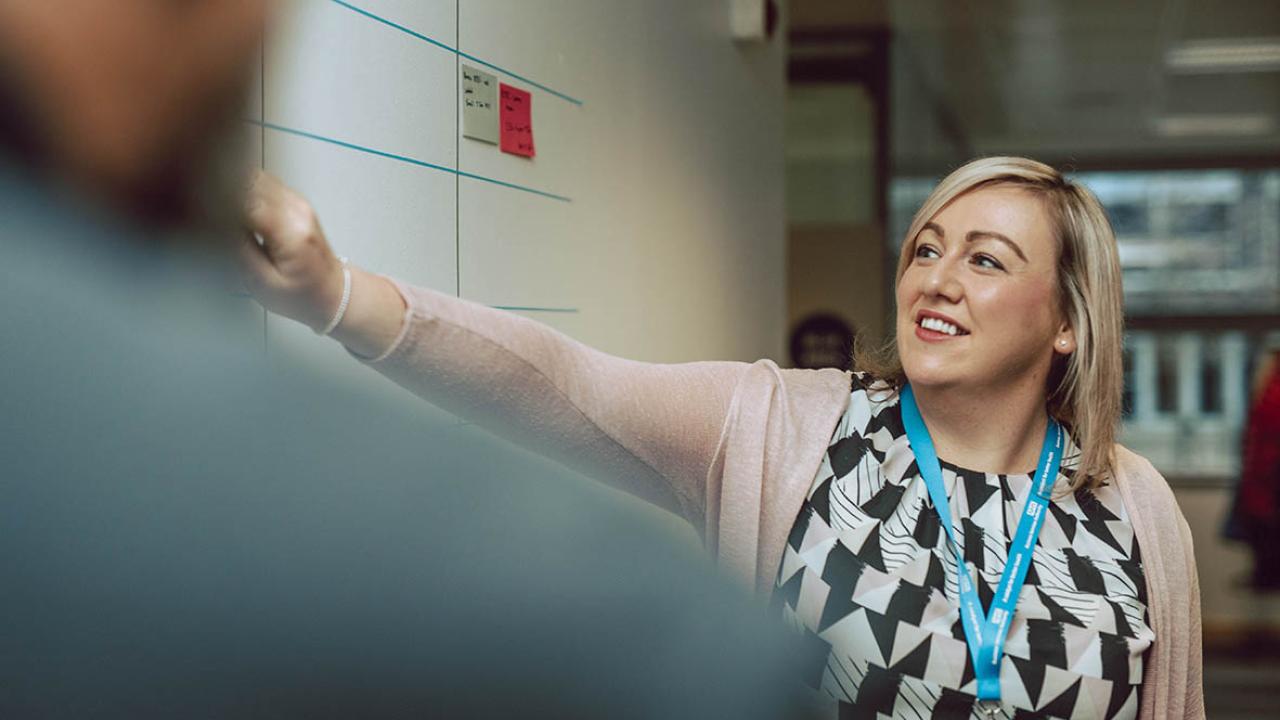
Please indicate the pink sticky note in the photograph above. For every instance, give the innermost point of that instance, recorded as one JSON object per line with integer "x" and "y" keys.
{"x": 515, "y": 120}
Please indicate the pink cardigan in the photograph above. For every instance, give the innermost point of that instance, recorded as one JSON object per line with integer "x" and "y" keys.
{"x": 732, "y": 447}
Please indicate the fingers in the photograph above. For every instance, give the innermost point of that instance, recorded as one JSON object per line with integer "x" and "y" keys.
{"x": 256, "y": 268}
{"x": 286, "y": 223}
{"x": 287, "y": 262}
{"x": 263, "y": 208}
{"x": 251, "y": 251}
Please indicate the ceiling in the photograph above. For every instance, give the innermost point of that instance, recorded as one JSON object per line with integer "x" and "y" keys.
{"x": 1085, "y": 82}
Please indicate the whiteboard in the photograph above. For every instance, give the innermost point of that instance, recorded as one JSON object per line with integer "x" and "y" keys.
{"x": 650, "y": 223}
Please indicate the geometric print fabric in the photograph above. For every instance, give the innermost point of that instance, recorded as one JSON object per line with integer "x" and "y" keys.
{"x": 868, "y": 581}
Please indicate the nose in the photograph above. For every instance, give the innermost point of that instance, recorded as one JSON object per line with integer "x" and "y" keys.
{"x": 942, "y": 280}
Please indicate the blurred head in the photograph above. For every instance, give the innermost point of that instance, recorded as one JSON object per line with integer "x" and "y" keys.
{"x": 1009, "y": 274}
{"x": 125, "y": 99}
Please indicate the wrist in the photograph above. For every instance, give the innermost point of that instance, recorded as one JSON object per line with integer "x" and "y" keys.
{"x": 323, "y": 298}
{"x": 374, "y": 315}
{"x": 340, "y": 312}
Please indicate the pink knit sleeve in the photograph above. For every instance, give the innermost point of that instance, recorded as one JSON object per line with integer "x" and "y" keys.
{"x": 1194, "y": 704}
{"x": 1173, "y": 673}
{"x": 649, "y": 429}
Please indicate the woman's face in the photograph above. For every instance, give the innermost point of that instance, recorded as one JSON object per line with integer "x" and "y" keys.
{"x": 977, "y": 304}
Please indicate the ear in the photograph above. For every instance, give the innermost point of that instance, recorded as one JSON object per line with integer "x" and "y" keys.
{"x": 1064, "y": 343}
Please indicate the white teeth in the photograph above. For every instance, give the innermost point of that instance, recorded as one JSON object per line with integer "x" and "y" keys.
{"x": 942, "y": 326}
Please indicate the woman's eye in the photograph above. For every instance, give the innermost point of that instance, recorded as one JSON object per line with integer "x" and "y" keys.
{"x": 986, "y": 261}
{"x": 926, "y": 251}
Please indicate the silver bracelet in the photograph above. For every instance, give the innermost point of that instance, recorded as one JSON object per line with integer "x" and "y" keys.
{"x": 346, "y": 299}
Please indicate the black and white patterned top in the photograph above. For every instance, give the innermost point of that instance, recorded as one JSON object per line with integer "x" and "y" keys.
{"x": 867, "y": 578}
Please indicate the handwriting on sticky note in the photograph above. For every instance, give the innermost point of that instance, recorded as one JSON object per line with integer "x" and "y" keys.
{"x": 479, "y": 105}
{"x": 515, "y": 120}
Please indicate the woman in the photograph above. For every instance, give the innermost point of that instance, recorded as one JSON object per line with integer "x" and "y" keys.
{"x": 879, "y": 509}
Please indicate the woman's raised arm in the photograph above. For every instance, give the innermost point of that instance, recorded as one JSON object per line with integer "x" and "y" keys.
{"x": 651, "y": 429}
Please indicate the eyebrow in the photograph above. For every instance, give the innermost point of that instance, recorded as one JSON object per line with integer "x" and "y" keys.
{"x": 978, "y": 235}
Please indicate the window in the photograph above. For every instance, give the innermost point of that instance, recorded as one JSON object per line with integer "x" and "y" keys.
{"x": 1195, "y": 241}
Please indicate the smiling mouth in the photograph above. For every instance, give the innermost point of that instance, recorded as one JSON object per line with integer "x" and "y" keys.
{"x": 940, "y": 326}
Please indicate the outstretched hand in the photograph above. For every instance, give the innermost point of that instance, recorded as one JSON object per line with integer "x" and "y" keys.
{"x": 287, "y": 264}
{"x": 285, "y": 260}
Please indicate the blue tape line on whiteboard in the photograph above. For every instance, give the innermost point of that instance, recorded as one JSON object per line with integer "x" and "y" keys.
{"x": 519, "y": 77}
{"x": 395, "y": 25}
{"x": 513, "y": 186}
{"x": 522, "y": 308}
{"x": 406, "y": 159}
{"x": 443, "y": 46}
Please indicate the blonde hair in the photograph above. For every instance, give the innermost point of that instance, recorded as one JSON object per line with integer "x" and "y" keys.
{"x": 1085, "y": 387}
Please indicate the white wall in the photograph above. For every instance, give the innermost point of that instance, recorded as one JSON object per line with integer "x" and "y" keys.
{"x": 669, "y": 243}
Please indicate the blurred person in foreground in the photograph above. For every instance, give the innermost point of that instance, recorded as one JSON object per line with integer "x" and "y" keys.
{"x": 188, "y": 535}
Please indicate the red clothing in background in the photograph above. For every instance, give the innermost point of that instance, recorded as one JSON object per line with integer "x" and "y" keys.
{"x": 1260, "y": 470}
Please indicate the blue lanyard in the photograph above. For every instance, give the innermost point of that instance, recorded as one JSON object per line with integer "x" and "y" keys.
{"x": 986, "y": 636}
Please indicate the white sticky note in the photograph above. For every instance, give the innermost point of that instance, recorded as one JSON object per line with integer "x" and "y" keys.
{"x": 479, "y": 105}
